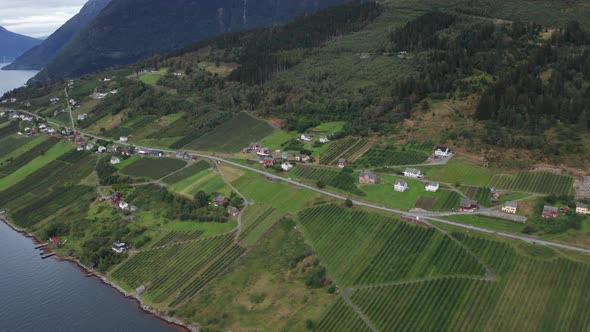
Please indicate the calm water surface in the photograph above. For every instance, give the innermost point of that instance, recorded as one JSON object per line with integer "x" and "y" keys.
{"x": 52, "y": 295}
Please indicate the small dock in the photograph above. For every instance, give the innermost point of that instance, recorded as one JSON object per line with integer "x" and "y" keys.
{"x": 49, "y": 255}
{"x": 41, "y": 246}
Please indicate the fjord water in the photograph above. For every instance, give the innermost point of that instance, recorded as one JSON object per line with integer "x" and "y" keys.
{"x": 10, "y": 79}
{"x": 54, "y": 295}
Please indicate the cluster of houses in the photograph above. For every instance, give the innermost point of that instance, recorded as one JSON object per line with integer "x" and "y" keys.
{"x": 553, "y": 211}
{"x": 309, "y": 138}
{"x": 222, "y": 201}
{"x": 266, "y": 158}
{"x": 116, "y": 200}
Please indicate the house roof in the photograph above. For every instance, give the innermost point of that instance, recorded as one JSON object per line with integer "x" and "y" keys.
{"x": 432, "y": 184}
{"x": 366, "y": 173}
{"x": 442, "y": 148}
{"x": 551, "y": 209}
{"x": 581, "y": 205}
{"x": 412, "y": 170}
{"x": 401, "y": 183}
{"x": 220, "y": 198}
{"x": 512, "y": 204}
{"x": 341, "y": 160}
{"x": 465, "y": 202}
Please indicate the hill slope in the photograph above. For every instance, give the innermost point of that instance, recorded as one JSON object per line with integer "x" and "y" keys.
{"x": 38, "y": 57}
{"x": 128, "y": 30}
{"x": 12, "y": 44}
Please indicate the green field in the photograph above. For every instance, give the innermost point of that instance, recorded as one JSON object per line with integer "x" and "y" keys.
{"x": 153, "y": 168}
{"x": 13, "y": 164}
{"x": 334, "y": 178}
{"x": 175, "y": 273}
{"x": 535, "y": 182}
{"x": 187, "y": 172}
{"x": 233, "y": 135}
{"x": 153, "y": 78}
{"x": 257, "y": 220}
{"x": 531, "y": 288}
{"x": 461, "y": 171}
{"x": 390, "y": 157}
{"x": 263, "y": 291}
{"x": 360, "y": 248}
{"x": 414, "y": 196}
{"x": 48, "y": 156}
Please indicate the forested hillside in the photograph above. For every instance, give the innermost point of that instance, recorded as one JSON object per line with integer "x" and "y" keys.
{"x": 129, "y": 30}
{"x": 518, "y": 84}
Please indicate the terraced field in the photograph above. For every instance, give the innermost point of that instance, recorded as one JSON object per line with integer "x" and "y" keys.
{"x": 535, "y": 182}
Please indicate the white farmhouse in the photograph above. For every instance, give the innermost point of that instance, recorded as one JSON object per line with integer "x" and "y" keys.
{"x": 306, "y": 137}
{"x": 123, "y": 139}
{"x": 442, "y": 151}
{"x": 432, "y": 186}
{"x": 286, "y": 166}
{"x": 400, "y": 186}
{"x": 413, "y": 173}
{"x": 324, "y": 139}
{"x": 115, "y": 160}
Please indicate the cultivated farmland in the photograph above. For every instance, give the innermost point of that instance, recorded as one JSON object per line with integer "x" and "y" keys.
{"x": 336, "y": 179}
{"x": 524, "y": 293}
{"x": 177, "y": 237}
{"x": 390, "y": 157}
{"x": 350, "y": 148}
{"x": 233, "y": 135}
{"x": 175, "y": 273}
{"x": 360, "y": 248}
{"x": 153, "y": 168}
{"x": 535, "y": 182}
{"x": 257, "y": 219}
{"x": 187, "y": 172}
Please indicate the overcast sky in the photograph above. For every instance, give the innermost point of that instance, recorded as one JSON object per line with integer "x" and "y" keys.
{"x": 37, "y": 18}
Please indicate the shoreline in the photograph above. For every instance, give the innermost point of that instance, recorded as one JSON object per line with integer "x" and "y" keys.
{"x": 104, "y": 280}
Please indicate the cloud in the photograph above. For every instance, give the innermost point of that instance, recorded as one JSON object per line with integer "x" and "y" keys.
{"x": 37, "y": 18}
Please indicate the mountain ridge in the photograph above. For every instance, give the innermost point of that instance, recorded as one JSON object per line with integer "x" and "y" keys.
{"x": 13, "y": 44}
{"x": 38, "y": 57}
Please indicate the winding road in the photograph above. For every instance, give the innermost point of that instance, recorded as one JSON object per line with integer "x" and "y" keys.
{"x": 421, "y": 217}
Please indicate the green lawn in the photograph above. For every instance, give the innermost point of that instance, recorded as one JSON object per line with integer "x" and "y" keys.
{"x": 212, "y": 184}
{"x": 331, "y": 127}
{"x": 153, "y": 78}
{"x": 458, "y": 170}
{"x": 275, "y": 140}
{"x": 57, "y": 150}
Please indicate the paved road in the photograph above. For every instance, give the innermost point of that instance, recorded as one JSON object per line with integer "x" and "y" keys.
{"x": 422, "y": 218}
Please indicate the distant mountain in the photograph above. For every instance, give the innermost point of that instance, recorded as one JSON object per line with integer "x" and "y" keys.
{"x": 37, "y": 58}
{"x": 12, "y": 44}
{"x": 129, "y": 30}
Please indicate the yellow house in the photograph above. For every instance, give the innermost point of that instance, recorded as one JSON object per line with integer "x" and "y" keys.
{"x": 510, "y": 207}
{"x": 582, "y": 208}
